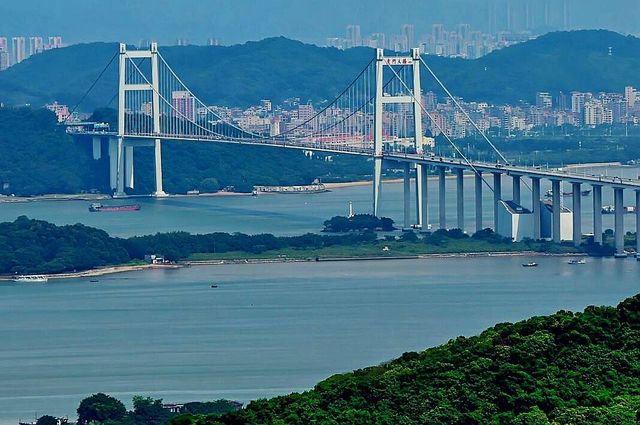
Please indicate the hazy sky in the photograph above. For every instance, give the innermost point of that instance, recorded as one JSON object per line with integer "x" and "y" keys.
{"x": 234, "y": 21}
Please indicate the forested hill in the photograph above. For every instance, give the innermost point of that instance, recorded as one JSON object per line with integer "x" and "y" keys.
{"x": 563, "y": 369}
{"x": 278, "y": 68}
{"x": 37, "y": 157}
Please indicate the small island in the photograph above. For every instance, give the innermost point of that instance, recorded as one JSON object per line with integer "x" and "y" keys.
{"x": 30, "y": 247}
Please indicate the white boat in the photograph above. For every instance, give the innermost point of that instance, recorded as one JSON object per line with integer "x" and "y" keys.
{"x": 574, "y": 261}
{"x": 33, "y": 278}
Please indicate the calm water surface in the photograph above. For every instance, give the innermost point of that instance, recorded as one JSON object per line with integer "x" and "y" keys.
{"x": 267, "y": 329}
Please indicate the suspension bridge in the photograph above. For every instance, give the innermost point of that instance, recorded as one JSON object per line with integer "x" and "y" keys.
{"x": 379, "y": 115}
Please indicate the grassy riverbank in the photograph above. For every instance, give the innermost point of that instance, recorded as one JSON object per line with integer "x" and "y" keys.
{"x": 392, "y": 249}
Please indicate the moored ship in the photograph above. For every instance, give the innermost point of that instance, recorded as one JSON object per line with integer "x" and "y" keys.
{"x": 34, "y": 278}
{"x": 98, "y": 207}
{"x": 311, "y": 188}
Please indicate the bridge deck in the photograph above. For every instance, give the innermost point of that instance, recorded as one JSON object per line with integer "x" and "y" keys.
{"x": 485, "y": 167}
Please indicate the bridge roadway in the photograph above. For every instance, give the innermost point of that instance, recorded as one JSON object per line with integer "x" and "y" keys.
{"x": 497, "y": 170}
{"x": 458, "y": 166}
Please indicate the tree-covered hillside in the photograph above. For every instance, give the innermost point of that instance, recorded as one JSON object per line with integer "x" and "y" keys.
{"x": 37, "y": 157}
{"x": 563, "y": 369}
{"x": 33, "y": 246}
{"x": 278, "y": 68}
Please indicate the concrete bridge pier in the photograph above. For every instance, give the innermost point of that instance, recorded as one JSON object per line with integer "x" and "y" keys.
{"x": 597, "y": 214}
{"x": 97, "y": 148}
{"x": 577, "y": 213}
{"x": 407, "y": 195}
{"x": 120, "y": 167}
{"x": 478, "y": 190}
{"x": 421, "y": 196}
{"x": 516, "y": 188}
{"x": 128, "y": 159}
{"x": 557, "y": 209}
{"x": 158, "y": 168}
{"x": 442, "y": 207}
{"x": 113, "y": 163}
{"x": 460, "y": 197}
{"x": 638, "y": 224}
{"x": 535, "y": 207}
{"x": 618, "y": 195}
{"x": 497, "y": 197}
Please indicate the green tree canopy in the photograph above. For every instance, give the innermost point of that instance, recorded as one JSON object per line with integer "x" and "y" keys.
{"x": 100, "y": 408}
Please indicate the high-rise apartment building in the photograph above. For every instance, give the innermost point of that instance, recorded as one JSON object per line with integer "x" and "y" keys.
{"x": 36, "y": 45}
{"x": 544, "y": 100}
{"x": 353, "y": 36}
{"x": 55, "y": 42}
{"x": 630, "y": 96}
{"x": 305, "y": 112}
{"x": 408, "y": 32}
{"x": 184, "y": 105}
{"x": 18, "y": 50}
{"x": 437, "y": 32}
{"x": 5, "y": 60}
{"x": 577, "y": 102}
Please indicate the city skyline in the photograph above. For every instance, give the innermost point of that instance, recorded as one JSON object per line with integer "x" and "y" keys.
{"x": 311, "y": 22}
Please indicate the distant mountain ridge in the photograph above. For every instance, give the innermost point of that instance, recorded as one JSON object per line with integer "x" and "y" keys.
{"x": 278, "y": 68}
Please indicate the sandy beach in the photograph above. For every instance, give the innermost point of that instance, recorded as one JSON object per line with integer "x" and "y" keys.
{"x": 103, "y": 271}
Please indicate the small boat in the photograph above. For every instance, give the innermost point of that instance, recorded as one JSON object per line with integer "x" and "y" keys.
{"x": 93, "y": 281}
{"x": 574, "y": 261}
{"x": 34, "y": 278}
{"x": 549, "y": 193}
{"x": 531, "y": 264}
{"x": 608, "y": 209}
{"x": 214, "y": 286}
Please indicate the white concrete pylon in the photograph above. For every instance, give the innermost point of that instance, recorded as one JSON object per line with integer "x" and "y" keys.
{"x": 597, "y": 214}
{"x": 577, "y": 213}
{"x": 381, "y": 99}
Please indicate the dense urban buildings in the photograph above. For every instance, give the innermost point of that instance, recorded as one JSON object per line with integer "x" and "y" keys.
{"x": 14, "y": 50}
{"x": 547, "y": 113}
{"x": 462, "y": 41}
{"x": 506, "y": 23}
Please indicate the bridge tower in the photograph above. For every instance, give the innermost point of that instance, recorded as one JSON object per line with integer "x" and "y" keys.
{"x": 121, "y": 149}
{"x": 412, "y": 98}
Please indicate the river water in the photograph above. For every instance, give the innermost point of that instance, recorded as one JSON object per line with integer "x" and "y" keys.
{"x": 268, "y": 328}
{"x": 288, "y": 214}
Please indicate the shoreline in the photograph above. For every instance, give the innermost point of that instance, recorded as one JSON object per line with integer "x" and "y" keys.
{"x": 105, "y": 271}
{"x": 102, "y": 271}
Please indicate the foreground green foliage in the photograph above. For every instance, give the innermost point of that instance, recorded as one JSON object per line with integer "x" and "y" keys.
{"x": 104, "y": 409}
{"x": 100, "y": 408}
{"x": 567, "y": 368}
